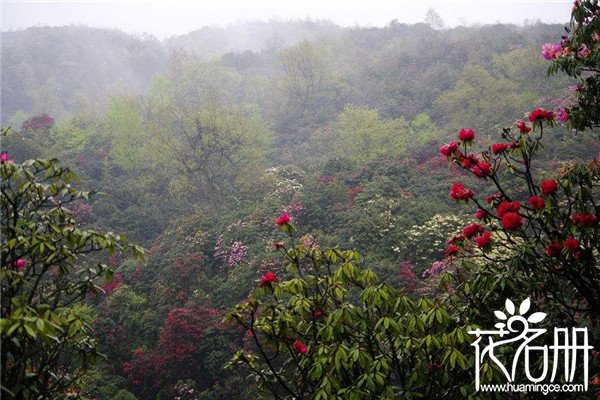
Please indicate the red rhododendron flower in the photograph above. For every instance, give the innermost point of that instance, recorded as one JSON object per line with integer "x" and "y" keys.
{"x": 549, "y": 187}
{"x": 493, "y": 197}
{"x": 269, "y": 277}
{"x": 455, "y": 239}
{"x": 354, "y": 191}
{"x": 317, "y": 314}
{"x": 300, "y": 347}
{"x": 511, "y": 221}
{"x": 481, "y": 214}
{"x": 482, "y": 169}
{"x": 466, "y": 135}
{"x": 327, "y": 178}
{"x": 20, "y": 264}
{"x": 459, "y": 192}
{"x": 523, "y": 127}
{"x": 585, "y": 219}
{"x": 554, "y": 249}
{"x": 452, "y": 251}
{"x": 506, "y": 207}
{"x": 448, "y": 149}
{"x": 4, "y": 157}
{"x": 536, "y": 202}
{"x": 498, "y": 148}
{"x": 539, "y": 114}
{"x": 279, "y": 245}
{"x": 483, "y": 240}
{"x": 571, "y": 244}
{"x": 283, "y": 219}
{"x": 472, "y": 230}
{"x": 469, "y": 161}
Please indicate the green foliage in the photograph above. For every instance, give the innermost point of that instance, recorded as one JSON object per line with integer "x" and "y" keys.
{"x": 333, "y": 331}
{"x": 365, "y": 136}
{"x": 48, "y": 266}
{"x": 130, "y": 142}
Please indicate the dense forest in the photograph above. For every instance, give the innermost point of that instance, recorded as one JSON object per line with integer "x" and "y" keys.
{"x": 293, "y": 210}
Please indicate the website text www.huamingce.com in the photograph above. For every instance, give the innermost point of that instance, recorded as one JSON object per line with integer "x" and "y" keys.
{"x": 533, "y": 387}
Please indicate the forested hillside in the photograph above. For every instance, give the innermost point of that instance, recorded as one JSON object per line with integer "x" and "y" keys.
{"x": 194, "y": 146}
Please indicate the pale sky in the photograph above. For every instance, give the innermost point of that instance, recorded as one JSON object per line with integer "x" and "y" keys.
{"x": 164, "y": 18}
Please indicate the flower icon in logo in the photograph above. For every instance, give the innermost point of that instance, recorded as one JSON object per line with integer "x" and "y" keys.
{"x": 523, "y": 309}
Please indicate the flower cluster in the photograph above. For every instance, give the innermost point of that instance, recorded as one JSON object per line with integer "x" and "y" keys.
{"x": 407, "y": 276}
{"x": 283, "y": 219}
{"x": 5, "y": 158}
{"x": 219, "y": 251}
{"x": 236, "y": 253}
{"x": 267, "y": 279}
{"x": 459, "y": 192}
{"x": 19, "y": 264}
{"x": 551, "y": 51}
{"x": 466, "y": 135}
{"x": 300, "y": 347}
{"x": 549, "y": 187}
{"x": 540, "y": 115}
{"x": 326, "y": 179}
{"x": 585, "y": 219}
{"x": 356, "y": 190}
{"x": 113, "y": 285}
{"x": 537, "y": 203}
{"x": 436, "y": 268}
{"x": 38, "y": 122}
{"x": 296, "y": 209}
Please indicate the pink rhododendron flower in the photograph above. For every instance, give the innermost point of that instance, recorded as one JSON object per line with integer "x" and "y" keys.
{"x": 550, "y": 51}
{"x": 20, "y": 264}
{"x": 584, "y": 51}
{"x": 562, "y": 115}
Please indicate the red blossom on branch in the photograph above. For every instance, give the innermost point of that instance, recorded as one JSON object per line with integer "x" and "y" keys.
{"x": 283, "y": 219}
{"x": 459, "y": 192}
